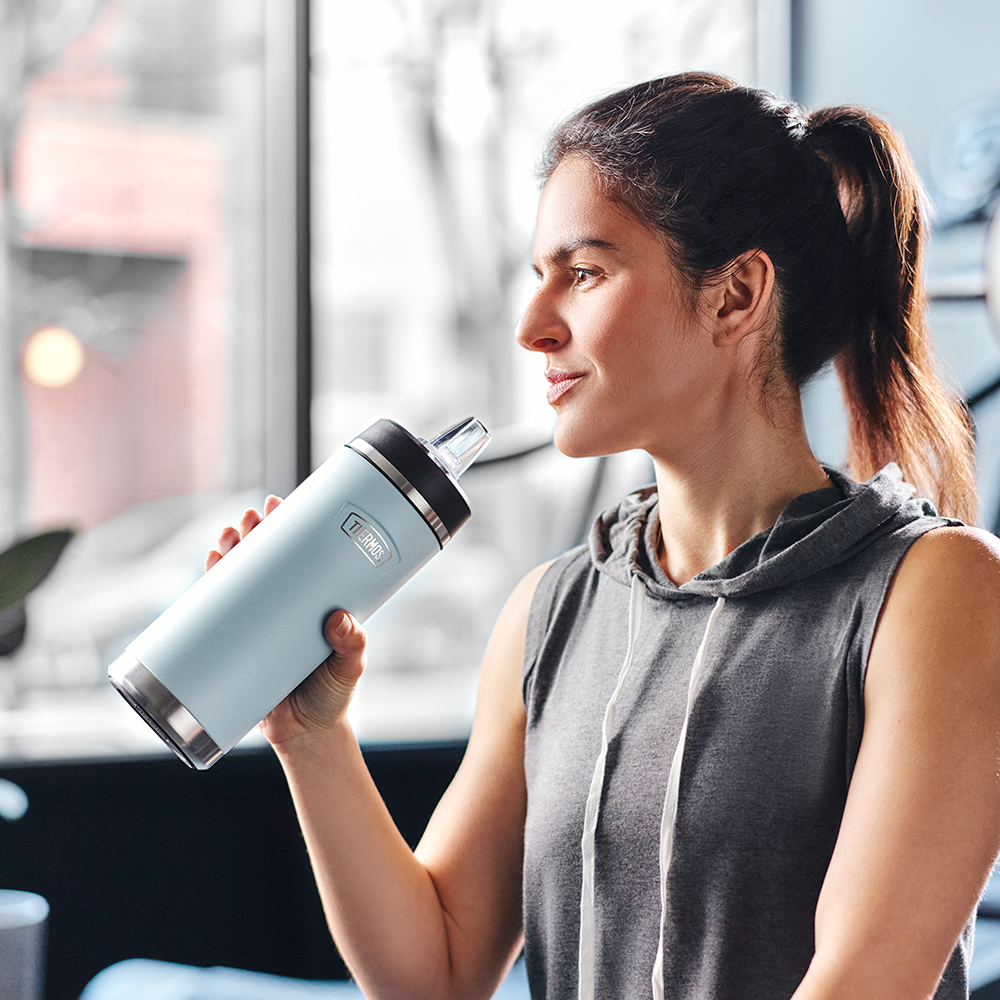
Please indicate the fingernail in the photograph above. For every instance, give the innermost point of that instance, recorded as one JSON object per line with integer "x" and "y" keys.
{"x": 343, "y": 628}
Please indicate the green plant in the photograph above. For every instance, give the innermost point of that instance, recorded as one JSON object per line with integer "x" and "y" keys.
{"x": 22, "y": 568}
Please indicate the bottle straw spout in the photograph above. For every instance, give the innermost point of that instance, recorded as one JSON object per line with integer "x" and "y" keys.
{"x": 459, "y": 446}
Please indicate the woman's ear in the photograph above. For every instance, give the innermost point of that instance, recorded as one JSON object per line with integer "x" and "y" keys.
{"x": 741, "y": 301}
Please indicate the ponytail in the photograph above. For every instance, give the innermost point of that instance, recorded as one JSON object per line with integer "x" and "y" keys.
{"x": 898, "y": 411}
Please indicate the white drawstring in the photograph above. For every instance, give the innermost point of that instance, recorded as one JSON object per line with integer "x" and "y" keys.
{"x": 588, "y": 931}
{"x": 587, "y": 917}
{"x": 669, "y": 820}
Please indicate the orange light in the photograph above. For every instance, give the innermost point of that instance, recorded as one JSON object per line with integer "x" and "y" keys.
{"x": 53, "y": 357}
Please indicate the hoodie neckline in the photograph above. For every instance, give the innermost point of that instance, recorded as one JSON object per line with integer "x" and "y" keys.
{"x": 814, "y": 531}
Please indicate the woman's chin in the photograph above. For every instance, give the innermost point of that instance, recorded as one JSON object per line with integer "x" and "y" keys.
{"x": 577, "y": 442}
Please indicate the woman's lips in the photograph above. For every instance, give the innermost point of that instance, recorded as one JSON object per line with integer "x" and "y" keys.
{"x": 559, "y": 384}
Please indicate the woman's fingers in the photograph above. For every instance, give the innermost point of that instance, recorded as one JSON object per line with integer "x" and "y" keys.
{"x": 251, "y": 518}
{"x": 230, "y": 536}
{"x": 325, "y": 694}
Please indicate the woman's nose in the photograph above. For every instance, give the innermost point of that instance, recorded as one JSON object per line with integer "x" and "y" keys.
{"x": 540, "y": 327}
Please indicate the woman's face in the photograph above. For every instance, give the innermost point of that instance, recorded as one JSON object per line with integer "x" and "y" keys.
{"x": 626, "y": 357}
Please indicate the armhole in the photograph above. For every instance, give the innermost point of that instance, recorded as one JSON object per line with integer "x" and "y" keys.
{"x": 871, "y": 604}
{"x": 539, "y": 621}
{"x": 905, "y": 538}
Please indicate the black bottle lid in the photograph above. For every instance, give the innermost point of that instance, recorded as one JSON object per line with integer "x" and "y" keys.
{"x": 424, "y": 480}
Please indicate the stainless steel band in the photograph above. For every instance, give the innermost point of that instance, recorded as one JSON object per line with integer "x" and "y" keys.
{"x": 172, "y": 722}
{"x": 405, "y": 487}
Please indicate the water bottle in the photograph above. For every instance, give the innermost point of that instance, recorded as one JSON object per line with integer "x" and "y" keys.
{"x": 251, "y": 629}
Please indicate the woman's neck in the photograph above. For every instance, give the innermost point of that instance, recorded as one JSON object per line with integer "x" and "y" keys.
{"x": 729, "y": 486}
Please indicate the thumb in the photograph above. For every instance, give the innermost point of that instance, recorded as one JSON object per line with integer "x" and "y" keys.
{"x": 349, "y": 642}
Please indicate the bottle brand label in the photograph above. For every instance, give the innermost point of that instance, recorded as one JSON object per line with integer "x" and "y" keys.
{"x": 367, "y": 538}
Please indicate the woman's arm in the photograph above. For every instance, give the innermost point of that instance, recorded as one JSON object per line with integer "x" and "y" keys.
{"x": 922, "y": 824}
{"x": 444, "y": 921}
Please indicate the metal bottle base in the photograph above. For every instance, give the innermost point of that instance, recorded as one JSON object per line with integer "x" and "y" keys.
{"x": 163, "y": 713}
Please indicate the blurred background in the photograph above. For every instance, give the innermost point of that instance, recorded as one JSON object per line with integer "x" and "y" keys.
{"x": 233, "y": 233}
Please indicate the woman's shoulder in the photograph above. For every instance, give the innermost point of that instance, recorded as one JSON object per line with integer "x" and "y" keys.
{"x": 953, "y": 560}
{"x": 516, "y": 615}
{"x": 943, "y": 608}
{"x": 523, "y": 595}
{"x": 947, "y": 574}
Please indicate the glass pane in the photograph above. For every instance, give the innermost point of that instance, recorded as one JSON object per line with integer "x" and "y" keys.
{"x": 133, "y": 254}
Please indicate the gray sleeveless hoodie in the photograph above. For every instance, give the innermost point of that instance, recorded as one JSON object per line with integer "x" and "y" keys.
{"x": 689, "y": 749}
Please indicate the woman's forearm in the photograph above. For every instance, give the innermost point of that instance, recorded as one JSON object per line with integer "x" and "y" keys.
{"x": 444, "y": 924}
{"x": 380, "y": 901}
{"x": 832, "y": 980}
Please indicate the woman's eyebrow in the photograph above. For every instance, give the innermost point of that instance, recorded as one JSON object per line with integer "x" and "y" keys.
{"x": 562, "y": 253}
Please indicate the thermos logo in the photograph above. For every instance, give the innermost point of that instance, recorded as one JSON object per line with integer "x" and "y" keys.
{"x": 367, "y": 538}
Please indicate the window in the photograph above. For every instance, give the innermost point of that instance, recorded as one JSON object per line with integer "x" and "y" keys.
{"x": 152, "y": 218}
{"x": 428, "y": 118}
{"x": 142, "y": 404}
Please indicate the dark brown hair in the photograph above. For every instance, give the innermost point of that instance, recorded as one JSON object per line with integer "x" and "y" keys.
{"x": 721, "y": 170}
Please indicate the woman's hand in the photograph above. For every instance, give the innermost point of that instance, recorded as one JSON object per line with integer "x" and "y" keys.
{"x": 321, "y": 700}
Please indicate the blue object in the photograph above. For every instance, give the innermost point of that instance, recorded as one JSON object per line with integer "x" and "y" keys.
{"x": 13, "y": 800}
{"x": 141, "y": 979}
{"x": 985, "y": 965}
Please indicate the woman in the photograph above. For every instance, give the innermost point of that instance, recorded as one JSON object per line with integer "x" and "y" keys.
{"x": 744, "y": 743}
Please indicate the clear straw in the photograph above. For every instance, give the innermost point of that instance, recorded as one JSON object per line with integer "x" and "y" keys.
{"x": 459, "y": 446}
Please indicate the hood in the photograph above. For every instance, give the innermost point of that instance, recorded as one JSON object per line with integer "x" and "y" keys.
{"x": 816, "y": 530}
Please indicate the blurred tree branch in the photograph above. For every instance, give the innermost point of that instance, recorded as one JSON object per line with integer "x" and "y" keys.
{"x": 468, "y": 179}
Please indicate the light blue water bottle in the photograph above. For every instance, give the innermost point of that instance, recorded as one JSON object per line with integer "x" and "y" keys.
{"x": 251, "y": 629}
